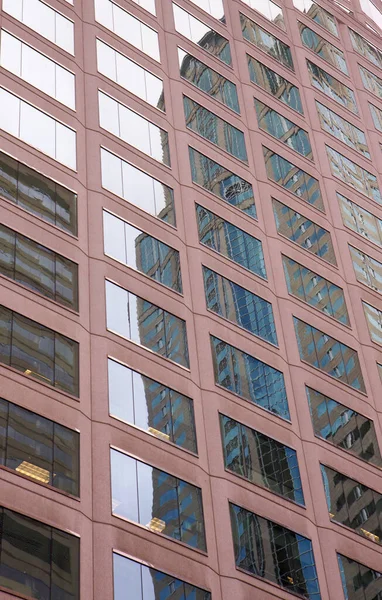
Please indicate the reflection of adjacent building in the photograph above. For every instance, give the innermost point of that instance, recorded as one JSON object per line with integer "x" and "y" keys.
{"x": 158, "y": 261}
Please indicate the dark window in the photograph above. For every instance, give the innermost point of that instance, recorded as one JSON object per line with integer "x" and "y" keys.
{"x": 329, "y": 355}
{"x": 37, "y": 560}
{"x": 38, "y": 351}
{"x": 343, "y": 427}
{"x": 39, "y": 448}
{"x": 38, "y": 268}
{"x": 146, "y": 583}
{"x": 266, "y": 42}
{"x": 222, "y": 183}
{"x": 332, "y": 87}
{"x": 144, "y": 323}
{"x": 352, "y": 174}
{"x": 208, "y": 80}
{"x": 239, "y": 305}
{"x": 249, "y": 378}
{"x": 303, "y": 232}
{"x": 315, "y": 290}
{"x": 365, "y": 48}
{"x": 293, "y": 179}
{"x": 353, "y": 504}
{"x": 274, "y": 84}
{"x": 230, "y": 241}
{"x": 150, "y": 405}
{"x": 268, "y": 550}
{"x": 283, "y": 129}
{"x": 320, "y": 46}
{"x": 358, "y": 581}
{"x": 214, "y": 129}
{"x": 159, "y": 501}
{"x": 342, "y": 129}
{"x": 38, "y": 194}
{"x": 261, "y": 459}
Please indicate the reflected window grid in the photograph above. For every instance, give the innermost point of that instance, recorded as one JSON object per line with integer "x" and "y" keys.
{"x": 318, "y": 14}
{"x": 360, "y": 179}
{"x": 265, "y": 41}
{"x": 374, "y": 322}
{"x": 343, "y": 130}
{"x": 360, "y": 220}
{"x": 332, "y": 87}
{"x": 359, "y": 579}
{"x": 320, "y": 46}
{"x": 367, "y": 270}
{"x": 273, "y": 83}
{"x": 270, "y": 10}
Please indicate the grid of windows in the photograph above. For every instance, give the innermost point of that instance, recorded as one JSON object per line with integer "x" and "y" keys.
{"x": 324, "y": 49}
{"x": 374, "y": 322}
{"x": 274, "y": 84}
{"x": 358, "y": 581}
{"x": 343, "y": 130}
{"x": 332, "y": 87}
{"x": 265, "y": 41}
{"x": 367, "y": 269}
{"x": 318, "y": 14}
{"x": 352, "y": 174}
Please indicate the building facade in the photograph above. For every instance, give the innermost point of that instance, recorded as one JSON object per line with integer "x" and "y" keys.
{"x": 190, "y": 299}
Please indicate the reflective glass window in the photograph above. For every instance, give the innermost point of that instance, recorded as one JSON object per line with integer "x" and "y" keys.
{"x": 208, "y": 80}
{"x": 151, "y": 406}
{"x": 161, "y": 502}
{"x": 324, "y": 49}
{"x": 38, "y": 351}
{"x": 240, "y": 306}
{"x": 38, "y": 268}
{"x": 274, "y": 84}
{"x": 332, "y": 87}
{"x": 221, "y": 182}
{"x": 261, "y": 459}
{"x": 315, "y": 290}
{"x": 365, "y": 48}
{"x": 37, "y": 194}
{"x": 359, "y": 582}
{"x": 318, "y": 14}
{"x": 360, "y": 220}
{"x": 292, "y": 178}
{"x": 201, "y": 34}
{"x": 265, "y": 41}
{"x": 249, "y": 378}
{"x": 352, "y": 174}
{"x": 268, "y": 550}
{"x": 303, "y": 232}
{"x": 343, "y": 427}
{"x": 371, "y": 82}
{"x": 343, "y": 130}
{"x": 146, "y": 324}
{"x": 133, "y": 185}
{"x": 141, "y": 251}
{"x": 328, "y": 355}
{"x": 374, "y": 322}
{"x": 376, "y": 114}
{"x": 283, "y": 129}
{"x": 367, "y": 270}
{"x": 214, "y": 129}
{"x": 213, "y": 7}
{"x": 270, "y": 10}
{"x": 230, "y": 241}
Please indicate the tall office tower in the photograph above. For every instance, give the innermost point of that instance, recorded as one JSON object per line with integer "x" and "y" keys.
{"x": 190, "y": 299}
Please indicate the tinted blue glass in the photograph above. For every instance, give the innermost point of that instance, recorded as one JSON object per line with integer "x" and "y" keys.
{"x": 319, "y": 45}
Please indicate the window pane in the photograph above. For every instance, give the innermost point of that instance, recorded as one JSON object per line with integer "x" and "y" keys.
{"x": 352, "y": 174}
{"x": 374, "y": 322}
{"x": 274, "y": 84}
{"x": 332, "y": 87}
{"x": 342, "y": 130}
{"x": 360, "y": 220}
{"x": 66, "y": 365}
{"x": 266, "y": 42}
{"x": 329, "y": 53}
{"x": 65, "y": 565}
{"x": 33, "y": 349}
{"x": 358, "y": 579}
{"x": 270, "y": 10}
{"x": 66, "y": 459}
{"x": 371, "y": 82}
{"x": 318, "y": 14}
{"x": 5, "y": 335}
{"x": 367, "y": 269}
{"x": 365, "y": 48}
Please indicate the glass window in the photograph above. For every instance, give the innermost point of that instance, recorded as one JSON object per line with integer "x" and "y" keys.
{"x": 37, "y": 194}
{"x": 38, "y": 351}
{"x": 283, "y": 129}
{"x": 270, "y": 10}
{"x": 265, "y": 41}
{"x": 268, "y": 550}
{"x": 129, "y": 75}
{"x": 249, "y": 378}
{"x": 303, "y": 232}
{"x": 221, "y": 182}
{"x": 371, "y": 82}
{"x": 352, "y": 504}
{"x": 315, "y": 290}
{"x": 201, "y": 34}
{"x": 240, "y": 306}
{"x": 38, "y": 268}
{"x": 38, "y": 559}
{"x": 40, "y": 17}
{"x": 324, "y": 49}
{"x": 328, "y": 355}
{"x": 145, "y": 583}
{"x": 146, "y": 324}
{"x": 129, "y": 28}
{"x": 358, "y": 581}
{"x": 341, "y": 129}
{"x": 37, "y": 69}
{"x": 151, "y": 406}
{"x": 343, "y": 427}
{"x": 261, "y": 459}
{"x": 213, "y": 7}
{"x": 365, "y": 48}
{"x": 141, "y": 251}
{"x": 39, "y": 448}
{"x": 352, "y": 174}
{"x": 37, "y": 129}
{"x": 367, "y": 269}
{"x": 360, "y": 220}
{"x": 133, "y": 129}
{"x": 295, "y": 180}
{"x": 374, "y": 322}
{"x": 332, "y": 87}
{"x": 214, "y": 129}
{"x": 318, "y": 14}
{"x": 137, "y": 187}
{"x": 376, "y": 114}
{"x": 161, "y": 502}
{"x": 273, "y": 83}
{"x": 230, "y": 241}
